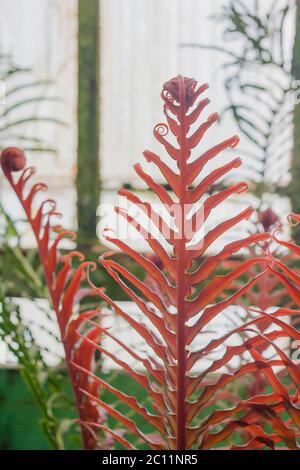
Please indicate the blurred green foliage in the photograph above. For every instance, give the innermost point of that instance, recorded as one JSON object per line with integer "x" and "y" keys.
{"x": 258, "y": 83}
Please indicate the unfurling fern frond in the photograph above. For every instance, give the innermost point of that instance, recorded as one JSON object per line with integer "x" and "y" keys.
{"x": 188, "y": 296}
{"x": 65, "y": 284}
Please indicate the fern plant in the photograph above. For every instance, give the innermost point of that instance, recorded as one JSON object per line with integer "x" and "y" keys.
{"x": 266, "y": 294}
{"x": 180, "y": 371}
{"x": 65, "y": 283}
{"x": 172, "y": 327}
{"x": 24, "y": 278}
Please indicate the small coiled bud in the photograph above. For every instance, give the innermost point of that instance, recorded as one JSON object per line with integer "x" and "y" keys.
{"x": 172, "y": 88}
{"x": 12, "y": 159}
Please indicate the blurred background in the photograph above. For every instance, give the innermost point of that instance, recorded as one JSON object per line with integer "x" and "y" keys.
{"x": 80, "y": 93}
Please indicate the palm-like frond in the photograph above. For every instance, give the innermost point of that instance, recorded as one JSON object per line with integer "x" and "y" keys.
{"x": 21, "y": 95}
{"x": 257, "y": 83}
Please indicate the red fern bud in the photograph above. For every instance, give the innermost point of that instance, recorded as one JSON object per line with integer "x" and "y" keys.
{"x": 12, "y": 159}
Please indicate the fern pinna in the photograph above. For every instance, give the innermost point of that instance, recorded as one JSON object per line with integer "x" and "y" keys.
{"x": 65, "y": 284}
{"x": 181, "y": 310}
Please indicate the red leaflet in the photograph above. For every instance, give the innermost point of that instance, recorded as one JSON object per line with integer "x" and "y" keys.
{"x": 64, "y": 284}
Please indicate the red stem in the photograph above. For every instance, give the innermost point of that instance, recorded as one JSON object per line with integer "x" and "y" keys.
{"x": 181, "y": 246}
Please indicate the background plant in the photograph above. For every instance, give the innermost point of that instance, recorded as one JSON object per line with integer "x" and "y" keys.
{"x": 258, "y": 83}
{"x": 21, "y": 93}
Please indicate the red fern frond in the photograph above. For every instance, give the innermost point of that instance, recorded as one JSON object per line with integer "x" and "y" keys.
{"x": 180, "y": 309}
{"x": 65, "y": 284}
